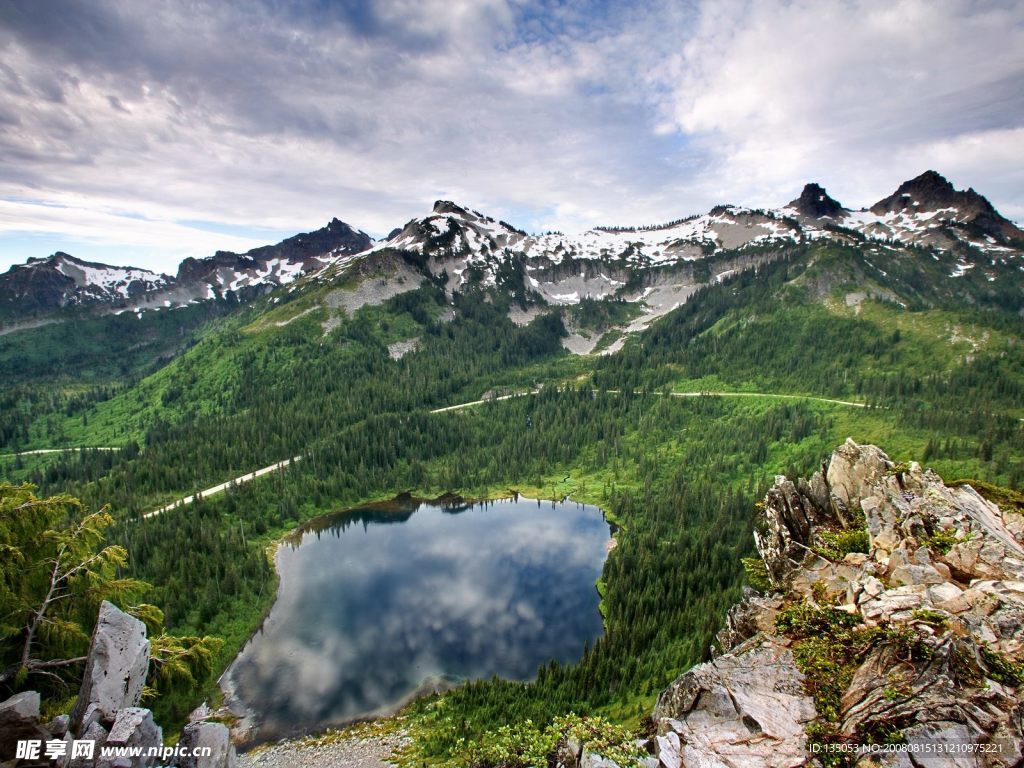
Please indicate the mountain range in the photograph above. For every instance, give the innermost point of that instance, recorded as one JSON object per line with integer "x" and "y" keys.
{"x": 665, "y": 374}
{"x": 658, "y": 266}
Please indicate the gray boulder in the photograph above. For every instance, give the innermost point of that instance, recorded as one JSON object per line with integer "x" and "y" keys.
{"x": 203, "y": 736}
{"x": 134, "y": 727}
{"x": 19, "y": 720}
{"x": 115, "y": 669}
{"x": 590, "y": 760}
{"x": 95, "y": 733}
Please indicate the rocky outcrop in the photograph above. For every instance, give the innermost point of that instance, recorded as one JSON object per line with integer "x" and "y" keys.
{"x": 918, "y": 639}
{"x": 814, "y": 202}
{"x": 115, "y": 669}
{"x": 747, "y": 707}
{"x": 19, "y": 720}
{"x": 107, "y": 712}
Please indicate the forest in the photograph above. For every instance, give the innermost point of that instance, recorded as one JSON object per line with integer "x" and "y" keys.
{"x": 679, "y": 476}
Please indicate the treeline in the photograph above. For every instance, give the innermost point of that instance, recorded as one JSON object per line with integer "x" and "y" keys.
{"x": 680, "y": 475}
{"x": 240, "y": 400}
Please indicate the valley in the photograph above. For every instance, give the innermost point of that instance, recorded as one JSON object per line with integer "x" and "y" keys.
{"x": 665, "y": 375}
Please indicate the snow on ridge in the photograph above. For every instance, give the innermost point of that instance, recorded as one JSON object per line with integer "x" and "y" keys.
{"x": 685, "y": 240}
{"x": 110, "y": 279}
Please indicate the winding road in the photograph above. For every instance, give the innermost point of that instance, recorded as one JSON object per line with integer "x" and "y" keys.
{"x": 282, "y": 464}
{"x": 222, "y": 487}
{"x": 850, "y": 403}
{"x": 53, "y": 450}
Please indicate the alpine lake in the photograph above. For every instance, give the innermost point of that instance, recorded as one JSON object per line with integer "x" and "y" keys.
{"x": 380, "y": 604}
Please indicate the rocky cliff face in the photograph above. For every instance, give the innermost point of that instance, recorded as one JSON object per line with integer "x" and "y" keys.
{"x": 895, "y": 616}
{"x": 814, "y": 202}
{"x": 108, "y": 714}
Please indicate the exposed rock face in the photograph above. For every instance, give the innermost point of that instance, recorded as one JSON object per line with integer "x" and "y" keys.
{"x": 814, "y": 202}
{"x": 107, "y": 710}
{"x": 48, "y": 284}
{"x": 19, "y": 719}
{"x": 747, "y": 707}
{"x": 134, "y": 727}
{"x": 203, "y": 736}
{"x": 938, "y": 601}
{"x": 931, "y": 191}
{"x": 115, "y": 670}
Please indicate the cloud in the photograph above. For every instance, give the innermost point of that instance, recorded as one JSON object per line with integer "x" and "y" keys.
{"x": 364, "y": 616}
{"x": 859, "y": 94}
{"x": 551, "y": 115}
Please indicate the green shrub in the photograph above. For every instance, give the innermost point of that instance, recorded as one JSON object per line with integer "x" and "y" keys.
{"x": 757, "y": 574}
{"x": 1001, "y": 668}
{"x": 837, "y": 545}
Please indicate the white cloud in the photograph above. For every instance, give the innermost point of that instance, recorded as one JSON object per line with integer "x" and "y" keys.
{"x": 859, "y": 94}
{"x": 566, "y": 115}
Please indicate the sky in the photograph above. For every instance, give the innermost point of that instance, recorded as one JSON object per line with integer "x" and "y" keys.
{"x": 142, "y": 131}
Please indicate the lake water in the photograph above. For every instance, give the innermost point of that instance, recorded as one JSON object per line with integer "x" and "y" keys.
{"x": 378, "y": 604}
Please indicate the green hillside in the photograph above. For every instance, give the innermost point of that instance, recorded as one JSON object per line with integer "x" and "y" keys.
{"x": 818, "y": 343}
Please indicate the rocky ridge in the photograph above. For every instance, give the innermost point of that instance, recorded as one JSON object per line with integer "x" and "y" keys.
{"x": 46, "y": 285}
{"x": 657, "y": 267}
{"x": 107, "y": 711}
{"x": 915, "y": 642}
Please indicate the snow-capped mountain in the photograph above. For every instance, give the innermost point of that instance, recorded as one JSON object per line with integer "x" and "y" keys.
{"x": 658, "y": 266}
{"x": 45, "y": 285}
{"x": 269, "y": 266}
{"x": 926, "y": 210}
{"x": 663, "y": 264}
{"x": 463, "y": 245}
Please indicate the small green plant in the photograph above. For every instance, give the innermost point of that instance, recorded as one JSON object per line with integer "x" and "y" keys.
{"x": 525, "y": 744}
{"x": 829, "y": 645}
{"x": 942, "y": 541}
{"x": 757, "y": 574}
{"x": 838, "y": 544}
{"x": 931, "y": 617}
{"x": 819, "y": 591}
{"x": 898, "y": 468}
{"x": 1002, "y": 668}
{"x": 908, "y": 645}
{"x": 896, "y": 685}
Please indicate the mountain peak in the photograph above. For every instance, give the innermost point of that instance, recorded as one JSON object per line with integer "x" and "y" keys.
{"x": 815, "y": 202}
{"x": 447, "y": 206}
{"x": 929, "y": 185}
{"x": 929, "y": 192}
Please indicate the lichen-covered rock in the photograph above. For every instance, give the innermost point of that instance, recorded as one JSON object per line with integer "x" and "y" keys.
{"x": 746, "y": 708}
{"x": 784, "y": 536}
{"x": 115, "y": 669}
{"x": 751, "y": 615}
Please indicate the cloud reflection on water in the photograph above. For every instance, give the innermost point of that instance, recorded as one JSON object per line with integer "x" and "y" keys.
{"x": 367, "y": 611}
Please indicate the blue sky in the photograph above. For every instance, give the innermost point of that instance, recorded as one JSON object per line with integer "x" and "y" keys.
{"x": 141, "y": 131}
